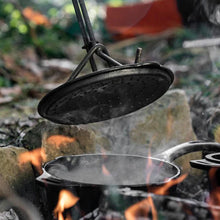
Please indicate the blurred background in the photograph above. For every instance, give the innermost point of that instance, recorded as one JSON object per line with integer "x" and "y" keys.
{"x": 41, "y": 43}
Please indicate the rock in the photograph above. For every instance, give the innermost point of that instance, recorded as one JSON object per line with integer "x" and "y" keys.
{"x": 59, "y": 140}
{"x": 214, "y": 125}
{"x": 32, "y": 139}
{"x": 205, "y": 118}
{"x": 199, "y": 114}
{"x": 165, "y": 123}
{"x": 159, "y": 126}
{"x": 18, "y": 178}
{"x": 155, "y": 128}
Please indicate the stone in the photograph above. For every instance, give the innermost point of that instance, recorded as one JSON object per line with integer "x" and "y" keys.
{"x": 18, "y": 178}
{"x": 153, "y": 129}
{"x": 59, "y": 140}
{"x": 214, "y": 125}
{"x": 33, "y": 137}
{"x": 165, "y": 123}
{"x": 159, "y": 126}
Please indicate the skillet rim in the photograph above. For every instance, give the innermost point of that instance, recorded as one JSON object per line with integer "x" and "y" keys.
{"x": 60, "y": 181}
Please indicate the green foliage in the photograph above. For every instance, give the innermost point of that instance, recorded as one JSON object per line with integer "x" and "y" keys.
{"x": 218, "y": 65}
{"x": 51, "y": 43}
{"x": 68, "y": 8}
{"x": 115, "y": 3}
{"x": 53, "y": 12}
{"x": 4, "y": 82}
{"x": 13, "y": 29}
{"x": 13, "y": 18}
{"x": 17, "y": 32}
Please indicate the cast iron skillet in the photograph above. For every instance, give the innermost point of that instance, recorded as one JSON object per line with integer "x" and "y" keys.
{"x": 119, "y": 170}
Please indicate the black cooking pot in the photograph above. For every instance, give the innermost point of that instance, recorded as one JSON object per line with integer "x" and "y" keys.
{"x": 86, "y": 175}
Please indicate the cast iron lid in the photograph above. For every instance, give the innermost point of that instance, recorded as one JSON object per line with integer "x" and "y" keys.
{"x": 109, "y": 93}
{"x": 106, "y": 94}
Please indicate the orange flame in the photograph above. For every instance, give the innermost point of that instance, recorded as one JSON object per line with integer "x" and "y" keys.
{"x": 66, "y": 200}
{"x": 149, "y": 166}
{"x": 105, "y": 171}
{"x": 35, "y": 17}
{"x": 143, "y": 208}
{"x": 68, "y": 217}
{"x": 58, "y": 140}
{"x": 35, "y": 157}
{"x": 214, "y": 198}
{"x": 163, "y": 190}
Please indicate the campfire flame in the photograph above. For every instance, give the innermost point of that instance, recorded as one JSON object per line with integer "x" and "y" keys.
{"x": 36, "y": 157}
{"x": 214, "y": 197}
{"x": 149, "y": 166}
{"x": 146, "y": 207}
{"x": 66, "y": 200}
{"x": 59, "y": 140}
{"x": 163, "y": 190}
{"x": 105, "y": 171}
{"x": 141, "y": 210}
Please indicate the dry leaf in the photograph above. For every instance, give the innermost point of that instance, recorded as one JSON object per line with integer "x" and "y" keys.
{"x": 35, "y": 16}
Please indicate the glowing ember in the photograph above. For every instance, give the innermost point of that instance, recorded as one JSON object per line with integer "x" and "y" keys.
{"x": 66, "y": 200}
{"x": 58, "y": 140}
{"x": 145, "y": 207}
{"x": 214, "y": 198}
{"x": 35, "y": 157}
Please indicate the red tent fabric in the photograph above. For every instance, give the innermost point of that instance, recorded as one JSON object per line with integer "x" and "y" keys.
{"x": 143, "y": 18}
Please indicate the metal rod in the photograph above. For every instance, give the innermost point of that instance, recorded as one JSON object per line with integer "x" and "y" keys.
{"x": 138, "y": 55}
{"x": 87, "y": 57}
{"x": 81, "y": 22}
{"x": 108, "y": 59}
{"x": 83, "y": 62}
{"x": 87, "y": 22}
{"x": 85, "y": 36}
{"x": 91, "y": 45}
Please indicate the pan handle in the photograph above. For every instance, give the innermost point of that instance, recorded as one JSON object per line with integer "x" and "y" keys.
{"x": 188, "y": 147}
